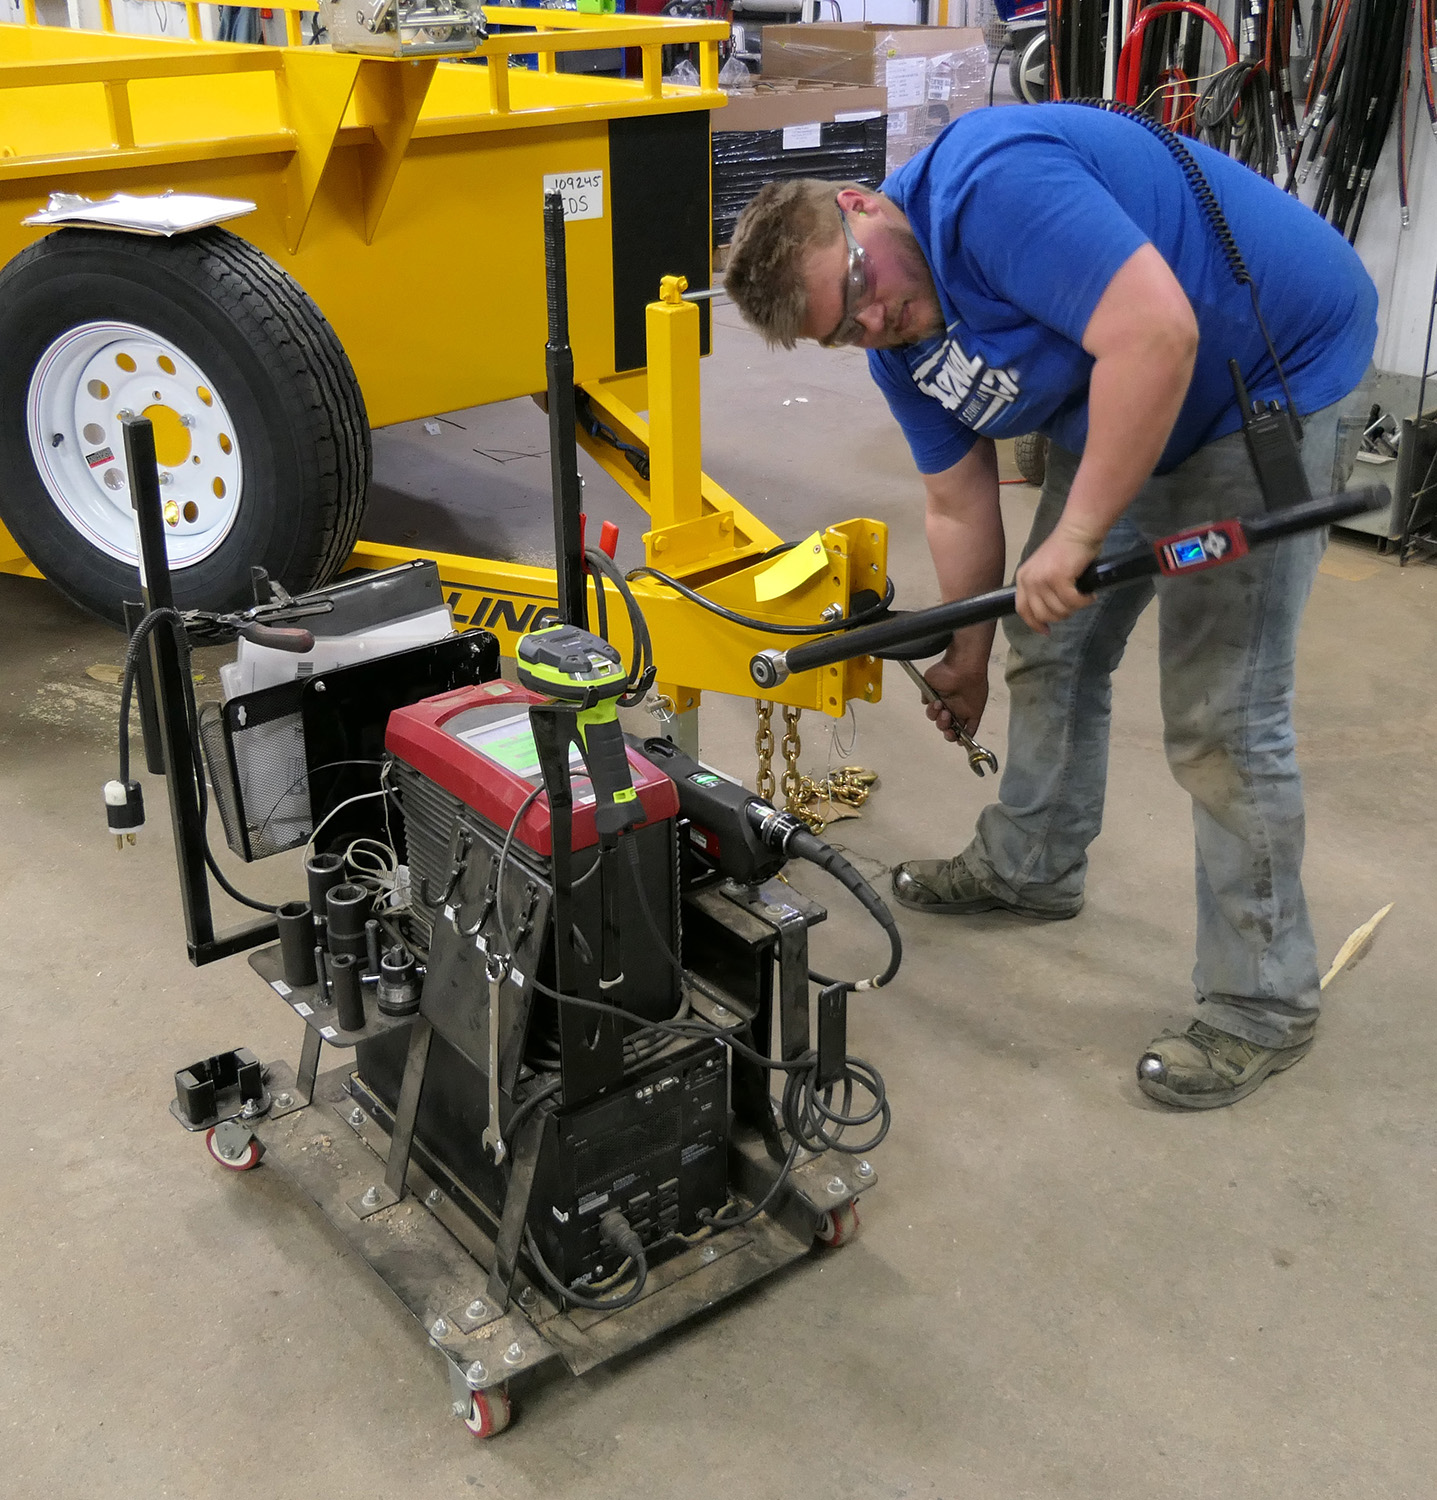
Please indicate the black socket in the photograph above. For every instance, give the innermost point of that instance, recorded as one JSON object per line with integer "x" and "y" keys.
{"x": 296, "y": 943}
{"x": 348, "y": 997}
{"x": 398, "y": 993}
{"x": 323, "y": 872}
{"x": 348, "y": 907}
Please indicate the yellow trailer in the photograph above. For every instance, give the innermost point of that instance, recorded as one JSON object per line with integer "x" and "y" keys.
{"x": 391, "y": 268}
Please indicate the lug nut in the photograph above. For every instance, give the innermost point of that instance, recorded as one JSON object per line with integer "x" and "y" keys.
{"x": 865, "y": 1169}
{"x": 356, "y": 1117}
{"x": 708, "y": 1253}
{"x": 284, "y": 1100}
{"x": 371, "y": 1197}
{"x": 476, "y": 1310}
{"x": 476, "y": 1374}
{"x": 526, "y": 1296}
{"x": 433, "y": 1198}
{"x": 514, "y": 1354}
{"x": 439, "y": 1329}
{"x": 836, "y": 1186}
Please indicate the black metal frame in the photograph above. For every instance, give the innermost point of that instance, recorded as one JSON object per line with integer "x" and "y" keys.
{"x": 173, "y": 746}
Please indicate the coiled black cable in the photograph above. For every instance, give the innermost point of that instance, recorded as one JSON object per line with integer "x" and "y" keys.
{"x": 1207, "y": 202}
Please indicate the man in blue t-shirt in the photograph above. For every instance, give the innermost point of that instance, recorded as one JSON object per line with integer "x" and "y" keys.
{"x": 1052, "y": 269}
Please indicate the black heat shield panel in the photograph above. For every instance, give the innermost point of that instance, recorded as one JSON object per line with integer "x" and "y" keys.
{"x": 345, "y": 713}
{"x": 659, "y": 169}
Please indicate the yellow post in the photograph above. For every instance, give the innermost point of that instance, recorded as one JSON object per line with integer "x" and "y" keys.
{"x": 30, "y": 13}
{"x": 192, "y": 23}
{"x": 708, "y": 65}
{"x": 293, "y": 29}
{"x": 107, "y": 15}
{"x": 675, "y": 440}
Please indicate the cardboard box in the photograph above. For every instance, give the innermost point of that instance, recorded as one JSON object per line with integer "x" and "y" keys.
{"x": 929, "y": 74}
{"x": 777, "y": 103}
{"x": 857, "y": 51}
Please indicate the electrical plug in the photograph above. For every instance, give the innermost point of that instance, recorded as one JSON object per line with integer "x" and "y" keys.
{"x": 124, "y": 810}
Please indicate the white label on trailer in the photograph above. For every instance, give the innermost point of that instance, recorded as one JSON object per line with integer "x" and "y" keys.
{"x": 583, "y": 193}
{"x": 303, "y": 1009}
{"x": 279, "y": 986}
{"x": 906, "y": 78}
{"x": 480, "y": 944}
{"x": 517, "y": 978}
{"x": 802, "y": 137}
{"x": 328, "y": 1033}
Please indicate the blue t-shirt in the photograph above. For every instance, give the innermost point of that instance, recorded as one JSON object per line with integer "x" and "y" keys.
{"x": 1025, "y": 214}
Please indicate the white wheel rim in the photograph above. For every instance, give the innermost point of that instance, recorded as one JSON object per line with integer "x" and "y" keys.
{"x": 82, "y": 385}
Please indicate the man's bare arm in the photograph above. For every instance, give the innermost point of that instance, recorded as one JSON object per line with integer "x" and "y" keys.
{"x": 965, "y": 536}
{"x": 1143, "y": 337}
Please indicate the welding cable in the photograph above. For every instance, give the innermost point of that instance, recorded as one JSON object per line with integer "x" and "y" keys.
{"x": 176, "y": 621}
{"x": 823, "y": 627}
{"x": 642, "y": 671}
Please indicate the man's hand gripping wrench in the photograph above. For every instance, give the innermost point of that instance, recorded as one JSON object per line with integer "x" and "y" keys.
{"x": 980, "y": 760}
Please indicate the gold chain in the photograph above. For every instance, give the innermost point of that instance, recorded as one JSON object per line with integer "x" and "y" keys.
{"x": 849, "y": 785}
{"x": 792, "y": 747}
{"x": 763, "y": 743}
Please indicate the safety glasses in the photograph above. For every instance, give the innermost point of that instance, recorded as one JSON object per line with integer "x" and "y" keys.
{"x": 855, "y": 289}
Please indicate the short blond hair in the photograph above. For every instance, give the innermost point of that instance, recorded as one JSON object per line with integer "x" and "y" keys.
{"x": 775, "y": 233}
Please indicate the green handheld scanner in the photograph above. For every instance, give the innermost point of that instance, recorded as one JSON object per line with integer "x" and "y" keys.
{"x": 580, "y": 668}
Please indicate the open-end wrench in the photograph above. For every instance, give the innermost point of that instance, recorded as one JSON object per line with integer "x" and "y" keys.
{"x": 980, "y": 759}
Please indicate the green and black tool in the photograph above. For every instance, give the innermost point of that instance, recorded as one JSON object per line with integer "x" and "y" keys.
{"x": 584, "y": 671}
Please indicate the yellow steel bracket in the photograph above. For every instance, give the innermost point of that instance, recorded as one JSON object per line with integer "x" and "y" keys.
{"x": 698, "y": 534}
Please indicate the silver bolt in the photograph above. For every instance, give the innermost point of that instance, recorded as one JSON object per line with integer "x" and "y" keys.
{"x": 284, "y": 1100}
{"x": 836, "y": 1186}
{"x": 188, "y": 419}
{"x": 460, "y": 1409}
{"x": 123, "y": 413}
{"x": 514, "y": 1354}
{"x": 439, "y": 1329}
{"x": 476, "y": 1374}
{"x": 526, "y": 1296}
{"x": 865, "y": 1169}
{"x": 356, "y": 1117}
{"x": 774, "y": 911}
{"x": 433, "y": 1198}
{"x": 476, "y": 1310}
{"x": 228, "y": 1152}
{"x": 709, "y": 1252}
{"x": 831, "y": 612}
{"x": 371, "y": 1197}
{"x": 721, "y": 1010}
{"x": 249, "y": 1109}
{"x": 319, "y": 687}
{"x": 166, "y": 477}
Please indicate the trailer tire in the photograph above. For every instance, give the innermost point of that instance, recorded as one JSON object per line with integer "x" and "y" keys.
{"x": 259, "y": 421}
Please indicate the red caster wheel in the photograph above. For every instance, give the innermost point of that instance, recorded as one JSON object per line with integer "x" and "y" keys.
{"x": 489, "y": 1412}
{"x": 839, "y": 1225}
{"x": 242, "y": 1160}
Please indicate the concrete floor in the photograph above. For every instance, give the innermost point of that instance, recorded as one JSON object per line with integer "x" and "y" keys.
{"x": 1059, "y": 1289}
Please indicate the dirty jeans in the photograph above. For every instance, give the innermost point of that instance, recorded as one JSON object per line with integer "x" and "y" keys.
{"x": 1227, "y": 646}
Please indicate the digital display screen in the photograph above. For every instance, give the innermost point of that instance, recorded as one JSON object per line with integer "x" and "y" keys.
{"x": 1188, "y": 552}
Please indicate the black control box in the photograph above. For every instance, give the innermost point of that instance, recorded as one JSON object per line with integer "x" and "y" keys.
{"x": 655, "y": 1150}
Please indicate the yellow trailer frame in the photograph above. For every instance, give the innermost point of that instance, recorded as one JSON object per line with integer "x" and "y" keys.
{"x": 404, "y": 197}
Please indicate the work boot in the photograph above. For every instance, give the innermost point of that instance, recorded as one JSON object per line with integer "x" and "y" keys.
{"x": 947, "y": 887}
{"x": 1204, "y": 1068}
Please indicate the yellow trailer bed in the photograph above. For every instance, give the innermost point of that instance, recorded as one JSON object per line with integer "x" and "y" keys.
{"x": 392, "y": 267}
